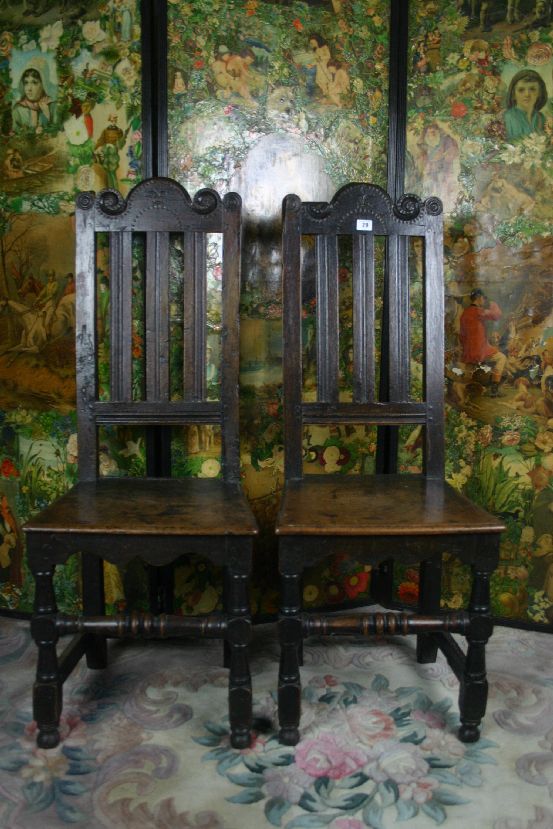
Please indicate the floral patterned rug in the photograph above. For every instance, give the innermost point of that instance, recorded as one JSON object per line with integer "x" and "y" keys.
{"x": 145, "y": 742}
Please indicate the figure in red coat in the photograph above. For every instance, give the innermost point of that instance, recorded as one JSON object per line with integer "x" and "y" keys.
{"x": 474, "y": 338}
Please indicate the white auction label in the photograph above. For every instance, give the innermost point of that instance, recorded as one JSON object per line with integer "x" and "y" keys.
{"x": 364, "y": 224}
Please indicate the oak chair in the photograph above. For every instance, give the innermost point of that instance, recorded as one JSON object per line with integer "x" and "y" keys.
{"x": 408, "y": 518}
{"x": 155, "y": 519}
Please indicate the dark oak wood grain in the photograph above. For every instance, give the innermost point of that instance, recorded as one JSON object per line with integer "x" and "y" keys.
{"x": 384, "y": 518}
{"x": 379, "y": 505}
{"x": 153, "y": 506}
{"x": 156, "y": 519}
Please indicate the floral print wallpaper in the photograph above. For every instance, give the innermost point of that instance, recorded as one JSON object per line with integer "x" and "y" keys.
{"x": 268, "y": 98}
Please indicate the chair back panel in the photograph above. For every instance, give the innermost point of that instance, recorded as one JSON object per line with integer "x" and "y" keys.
{"x": 363, "y": 212}
{"x": 157, "y": 211}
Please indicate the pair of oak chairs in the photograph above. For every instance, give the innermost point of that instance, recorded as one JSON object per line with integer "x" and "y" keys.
{"x": 376, "y": 519}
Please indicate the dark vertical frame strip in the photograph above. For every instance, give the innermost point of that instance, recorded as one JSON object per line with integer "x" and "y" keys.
{"x": 155, "y": 155}
{"x": 397, "y": 96}
{"x": 387, "y": 443}
{"x": 155, "y": 163}
{"x": 154, "y": 87}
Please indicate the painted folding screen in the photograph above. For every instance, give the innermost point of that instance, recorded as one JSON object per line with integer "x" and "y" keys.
{"x": 69, "y": 121}
{"x": 480, "y": 136}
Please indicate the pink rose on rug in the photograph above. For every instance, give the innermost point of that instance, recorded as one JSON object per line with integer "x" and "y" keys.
{"x": 440, "y": 742}
{"x": 429, "y": 717}
{"x": 348, "y": 823}
{"x": 400, "y": 762}
{"x": 326, "y": 756}
{"x": 370, "y": 724}
{"x": 289, "y": 783}
{"x": 419, "y": 791}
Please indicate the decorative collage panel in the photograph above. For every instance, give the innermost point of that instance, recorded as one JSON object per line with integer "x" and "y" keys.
{"x": 69, "y": 121}
{"x": 480, "y": 128}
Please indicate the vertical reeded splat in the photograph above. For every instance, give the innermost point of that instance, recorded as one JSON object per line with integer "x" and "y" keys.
{"x": 194, "y": 316}
{"x": 120, "y": 268}
{"x": 157, "y": 316}
{"x": 327, "y": 319}
{"x": 363, "y": 318}
{"x": 397, "y": 286}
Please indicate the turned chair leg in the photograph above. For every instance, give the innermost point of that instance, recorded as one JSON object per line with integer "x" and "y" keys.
{"x": 473, "y": 695}
{"x": 430, "y": 586}
{"x": 94, "y": 605}
{"x": 382, "y": 583}
{"x": 291, "y": 653}
{"x": 161, "y": 588}
{"x": 47, "y": 691}
{"x": 226, "y": 594}
{"x": 236, "y": 650}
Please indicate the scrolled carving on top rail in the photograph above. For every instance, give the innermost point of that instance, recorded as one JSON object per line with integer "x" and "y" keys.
{"x": 206, "y": 201}
{"x": 407, "y": 207}
{"x": 433, "y": 206}
{"x": 232, "y": 202}
{"x": 111, "y": 202}
{"x": 291, "y": 203}
{"x": 85, "y": 200}
{"x": 158, "y": 204}
{"x": 149, "y": 188}
{"x": 353, "y": 198}
{"x": 361, "y": 200}
{"x": 152, "y": 191}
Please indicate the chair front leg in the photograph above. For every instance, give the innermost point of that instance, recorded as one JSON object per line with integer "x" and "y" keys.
{"x": 94, "y": 605}
{"x": 236, "y": 652}
{"x": 473, "y": 694}
{"x": 382, "y": 583}
{"x": 291, "y": 650}
{"x": 227, "y": 579}
{"x": 47, "y": 691}
{"x": 430, "y": 586}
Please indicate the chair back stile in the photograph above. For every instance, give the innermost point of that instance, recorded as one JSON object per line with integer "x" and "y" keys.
{"x": 86, "y": 337}
{"x": 292, "y": 337}
{"x": 434, "y": 349}
{"x": 230, "y": 349}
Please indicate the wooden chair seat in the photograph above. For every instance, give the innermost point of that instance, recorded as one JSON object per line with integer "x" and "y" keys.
{"x": 137, "y": 506}
{"x": 378, "y": 505}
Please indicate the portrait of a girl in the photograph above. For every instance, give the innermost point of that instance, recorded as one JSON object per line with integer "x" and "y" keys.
{"x": 35, "y": 110}
{"x": 526, "y": 98}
